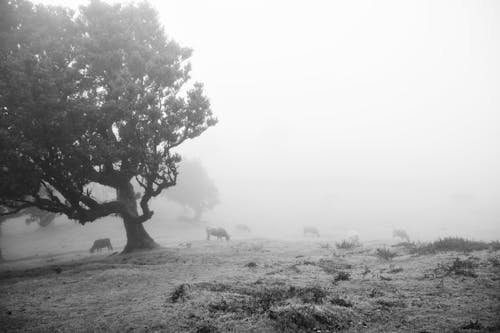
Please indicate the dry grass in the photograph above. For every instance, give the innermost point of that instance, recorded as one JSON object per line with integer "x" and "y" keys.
{"x": 208, "y": 288}
{"x": 456, "y": 244}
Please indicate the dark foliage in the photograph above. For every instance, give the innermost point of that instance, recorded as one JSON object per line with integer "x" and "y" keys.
{"x": 473, "y": 325}
{"x": 457, "y": 244}
{"x": 342, "y": 276}
{"x": 458, "y": 267}
{"x": 180, "y": 292}
{"x": 305, "y": 317}
{"x": 341, "y": 302}
{"x": 385, "y": 254}
{"x": 347, "y": 244}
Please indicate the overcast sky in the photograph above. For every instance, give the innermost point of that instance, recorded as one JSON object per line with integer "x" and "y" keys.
{"x": 364, "y": 115}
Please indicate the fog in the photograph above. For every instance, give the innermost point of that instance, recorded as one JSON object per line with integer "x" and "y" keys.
{"x": 348, "y": 115}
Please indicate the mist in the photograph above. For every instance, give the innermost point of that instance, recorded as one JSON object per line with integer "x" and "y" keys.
{"x": 359, "y": 115}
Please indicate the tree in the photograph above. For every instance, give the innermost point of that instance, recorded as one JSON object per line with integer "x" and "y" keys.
{"x": 401, "y": 234}
{"x": 194, "y": 189}
{"x": 97, "y": 97}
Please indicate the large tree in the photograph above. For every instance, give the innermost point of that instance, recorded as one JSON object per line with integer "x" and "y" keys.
{"x": 98, "y": 96}
{"x": 194, "y": 189}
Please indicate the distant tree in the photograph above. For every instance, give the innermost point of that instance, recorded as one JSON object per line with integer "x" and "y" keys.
{"x": 401, "y": 234}
{"x": 101, "y": 96}
{"x": 194, "y": 190}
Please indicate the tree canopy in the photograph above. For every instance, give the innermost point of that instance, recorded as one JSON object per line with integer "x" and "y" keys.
{"x": 97, "y": 96}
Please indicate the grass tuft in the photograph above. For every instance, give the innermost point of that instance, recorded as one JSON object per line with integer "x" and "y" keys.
{"x": 179, "y": 293}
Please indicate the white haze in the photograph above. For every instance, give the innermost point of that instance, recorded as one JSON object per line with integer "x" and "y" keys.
{"x": 364, "y": 115}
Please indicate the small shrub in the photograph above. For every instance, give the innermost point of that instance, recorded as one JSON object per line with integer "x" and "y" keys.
{"x": 473, "y": 325}
{"x": 347, "y": 244}
{"x": 375, "y": 292}
{"x": 342, "y": 276}
{"x": 298, "y": 318}
{"x": 180, "y": 292}
{"x": 457, "y": 267}
{"x": 341, "y": 302}
{"x": 324, "y": 246}
{"x": 207, "y": 328}
{"x": 395, "y": 270}
{"x": 251, "y": 265}
{"x": 314, "y": 294}
{"x": 385, "y": 254}
{"x": 494, "y": 261}
{"x": 389, "y": 303}
{"x": 463, "y": 267}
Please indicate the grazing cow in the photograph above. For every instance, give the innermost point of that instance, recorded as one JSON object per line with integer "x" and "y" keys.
{"x": 217, "y": 232}
{"x": 311, "y": 230}
{"x": 101, "y": 244}
{"x": 242, "y": 227}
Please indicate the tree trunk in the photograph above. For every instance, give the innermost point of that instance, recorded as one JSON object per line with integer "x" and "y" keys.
{"x": 137, "y": 237}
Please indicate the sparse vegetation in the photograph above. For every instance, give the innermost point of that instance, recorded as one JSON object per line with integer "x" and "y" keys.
{"x": 389, "y": 303}
{"x": 348, "y": 244}
{"x": 179, "y": 293}
{"x": 394, "y": 270}
{"x": 473, "y": 325}
{"x": 385, "y": 253}
{"x": 457, "y": 267}
{"x": 457, "y": 244}
{"x": 330, "y": 266}
{"x": 232, "y": 301}
{"x": 297, "y": 318}
{"x": 341, "y": 302}
{"x": 342, "y": 276}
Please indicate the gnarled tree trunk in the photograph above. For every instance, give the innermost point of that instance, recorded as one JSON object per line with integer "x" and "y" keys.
{"x": 137, "y": 236}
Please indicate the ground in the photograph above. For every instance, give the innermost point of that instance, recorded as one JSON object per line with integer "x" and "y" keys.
{"x": 254, "y": 285}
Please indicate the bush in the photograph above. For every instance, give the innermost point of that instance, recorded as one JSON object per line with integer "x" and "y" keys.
{"x": 452, "y": 244}
{"x": 298, "y": 318}
{"x": 460, "y": 267}
{"x": 180, "y": 292}
{"x": 341, "y": 302}
{"x": 342, "y": 276}
{"x": 385, "y": 254}
{"x": 348, "y": 244}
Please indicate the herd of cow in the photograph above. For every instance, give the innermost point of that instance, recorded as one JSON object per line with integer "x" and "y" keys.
{"x": 220, "y": 233}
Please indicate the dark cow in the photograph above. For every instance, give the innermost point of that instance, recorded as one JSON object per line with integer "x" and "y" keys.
{"x": 217, "y": 232}
{"x": 101, "y": 244}
{"x": 311, "y": 231}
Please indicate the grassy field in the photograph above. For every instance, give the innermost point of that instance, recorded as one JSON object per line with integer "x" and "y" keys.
{"x": 253, "y": 285}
